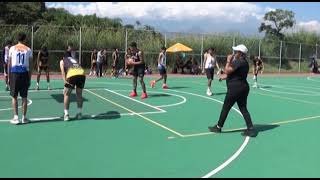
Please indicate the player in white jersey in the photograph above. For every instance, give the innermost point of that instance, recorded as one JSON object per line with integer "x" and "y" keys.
{"x": 162, "y": 69}
{"x": 20, "y": 56}
{"x": 5, "y": 58}
{"x": 210, "y": 62}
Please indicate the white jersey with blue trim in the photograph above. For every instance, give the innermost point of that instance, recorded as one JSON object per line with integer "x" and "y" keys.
{"x": 20, "y": 55}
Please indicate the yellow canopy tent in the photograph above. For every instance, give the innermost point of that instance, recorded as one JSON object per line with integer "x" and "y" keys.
{"x": 178, "y": 47}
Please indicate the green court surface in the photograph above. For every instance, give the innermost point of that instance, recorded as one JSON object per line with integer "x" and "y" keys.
{"x": 165, "y": 135}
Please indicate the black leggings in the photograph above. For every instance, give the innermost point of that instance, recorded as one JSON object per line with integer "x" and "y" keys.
{"x": 237, "y": 92}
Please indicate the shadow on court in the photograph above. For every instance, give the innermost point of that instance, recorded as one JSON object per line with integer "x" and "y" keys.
{"x": 217, "y": 94}
{"x": 159, "y": 95}
{"x": 73, "y": 98}
{"x": 258, "y": 128}
{"x": 110, "y": 115}
{"x": 265, "y": 87}
{"x": 178, "y": 87}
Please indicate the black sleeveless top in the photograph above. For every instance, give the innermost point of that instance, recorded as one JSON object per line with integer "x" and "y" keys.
{"x": 136, "y": 58}
{"x": 44, "y": 57}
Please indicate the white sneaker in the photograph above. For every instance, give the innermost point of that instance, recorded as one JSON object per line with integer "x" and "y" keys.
{"x": 15, "y": 121}
{"x": 209, "y": 93}
{"x": 255, "y": 85}
{"x": 66, "y": 117}
{"x": 25, "y": 121}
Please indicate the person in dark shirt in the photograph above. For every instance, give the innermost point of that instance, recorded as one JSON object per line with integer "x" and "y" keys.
{"x": 257, "y": 67}
{"x": 236, "y": 72}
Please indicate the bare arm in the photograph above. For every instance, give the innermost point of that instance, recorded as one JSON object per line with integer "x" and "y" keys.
{"x": 140, "y": 54}
{"x": 38, "y": 59}
{"x": 62, "y": 71}
{"x": 217, "y": 64}
{"x": 159, "y": 57}
{"x": 228, "y": 69}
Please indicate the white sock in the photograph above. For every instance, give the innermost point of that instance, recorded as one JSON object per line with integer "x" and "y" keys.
{"x": 79, "y": 110}
{"x": 37, "y": 84}
{"x": 23, "y": 117}
{"x": 66, "y": 112}
{"x": 15, "y": 116}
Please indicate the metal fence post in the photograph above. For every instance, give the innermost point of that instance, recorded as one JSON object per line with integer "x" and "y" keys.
{"x": 126, "y": 43}
{"x": 234, "y": 41}
{"x": 32, "y": 38}
{"x": 260, "y": 48}
{"x": 80, "y": 50}
{"x": 300, "y": 58}
{"x": 201, "y": 60}
{"x": 280, "y": 56}
{"x": 317, "y": 50}
{"x": 165, "y": 45}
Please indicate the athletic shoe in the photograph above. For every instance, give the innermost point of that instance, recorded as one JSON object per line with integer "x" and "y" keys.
{"x": 215, "y": 129}
{"x": 66, "y": 118}
{"x": 79, "y": 116}
{"x": 255, "y": 85}
{"x": 25, "y": 121}
{"x": 209, "y": 93}
{"x": 152, "y": 83}
{"x": 249, "y": 132}
{"x": 15, "y": 121}
{"x": 133, "y": 94}
{"x": 144, "y": 95}
{"x": 164, "y": 86}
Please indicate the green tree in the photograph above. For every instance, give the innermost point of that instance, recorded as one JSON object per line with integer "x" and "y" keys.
{"x": 275, "y": 22}
{"x": 21, "y": 12}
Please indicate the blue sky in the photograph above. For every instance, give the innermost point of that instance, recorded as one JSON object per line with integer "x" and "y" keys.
{"x": 199, "y": 17}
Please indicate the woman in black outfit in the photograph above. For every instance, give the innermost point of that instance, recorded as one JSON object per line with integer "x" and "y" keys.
{"x": 236, "y": 72}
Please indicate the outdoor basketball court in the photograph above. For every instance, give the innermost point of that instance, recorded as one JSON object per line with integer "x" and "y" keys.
{"x": 165, "y": 135}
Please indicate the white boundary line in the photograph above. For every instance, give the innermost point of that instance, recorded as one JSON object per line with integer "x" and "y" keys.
{"x": 184, "y": 100}
{"x": 226, "y": 163}
{"x": 310, "y": 79}
{"x": 90, "y": 116}
{"x": 29, "y": 103}
{"x": 143, "y": 117}
{"x": 159, "y": 109}
{"x": 236, "y": 154}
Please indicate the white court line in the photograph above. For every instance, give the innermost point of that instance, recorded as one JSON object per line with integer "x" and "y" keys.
{"x": 85, "y": 116}
{"x": 159, "y": 109}
{"x": 184, "y": 100}
{"x": 236, "y": 154}
{"x": 29, "y": 103}
{"x": 309, "y": 78}
{"x": 143, "y": 117}
{"x": 226, "y": 163}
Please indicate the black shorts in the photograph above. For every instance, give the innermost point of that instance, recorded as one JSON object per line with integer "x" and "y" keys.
{"x": 138, "y": 70}
{"x": 162, "y": 70}
{"x": 5, "y": 70}
{"x": 210, "y": 73}
{"x": 19, "y": 83}
{"x": 43, "y": 68}
{"x": 76, "y": 81}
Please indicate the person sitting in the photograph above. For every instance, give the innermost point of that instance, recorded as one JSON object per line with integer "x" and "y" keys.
{"x": 178, "y": 65}
{"x": 314, "y": 68}
{"x": 196, "y": 69}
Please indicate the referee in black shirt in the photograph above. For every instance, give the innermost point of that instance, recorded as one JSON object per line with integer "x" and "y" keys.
{"x": 236, "y": 72}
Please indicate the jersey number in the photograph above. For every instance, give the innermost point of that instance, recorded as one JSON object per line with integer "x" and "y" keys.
{"x": 20, "y": 57}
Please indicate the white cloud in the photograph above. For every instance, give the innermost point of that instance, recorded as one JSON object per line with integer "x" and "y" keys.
{"x": 310, "y": 26}
{"x": 238, "y": 12}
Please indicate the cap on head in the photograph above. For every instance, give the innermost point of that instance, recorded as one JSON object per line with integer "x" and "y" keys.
{"x": 242, "y": 48}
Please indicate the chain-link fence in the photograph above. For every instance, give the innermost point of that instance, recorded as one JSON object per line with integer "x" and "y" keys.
{"x": 277, "y": 56}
